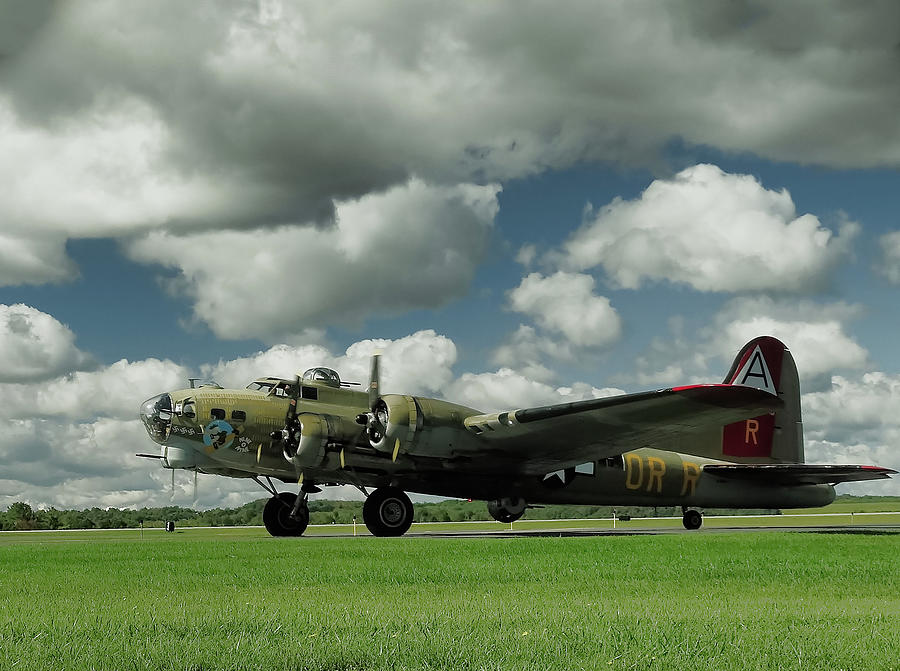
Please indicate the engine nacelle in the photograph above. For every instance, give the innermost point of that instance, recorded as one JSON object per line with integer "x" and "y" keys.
{"x": 316, "y": 433}
{"x": 397, "y": 418}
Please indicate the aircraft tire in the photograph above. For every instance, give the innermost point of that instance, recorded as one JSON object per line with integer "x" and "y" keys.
{"x": 501, "y": 514}
{"x": 388, "y": 512}
{"x": 692, "y": 519}
{"x": 277, "y": 516}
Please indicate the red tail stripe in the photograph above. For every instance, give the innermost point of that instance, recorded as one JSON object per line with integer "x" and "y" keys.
{"x": 698, "y": 386}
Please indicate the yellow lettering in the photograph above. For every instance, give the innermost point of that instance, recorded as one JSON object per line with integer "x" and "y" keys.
{"x": 690, "y": 473}
{"x": 752, "y": 428}
{"x": 657, "y": 468}
{"x": 633, "y": 467}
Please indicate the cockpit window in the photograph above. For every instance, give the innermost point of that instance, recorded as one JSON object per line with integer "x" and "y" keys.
{"x": 324, "y": 376}
{"x": 260, "y": 386}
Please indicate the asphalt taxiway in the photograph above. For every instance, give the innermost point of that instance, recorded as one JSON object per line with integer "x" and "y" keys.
{"x": 860, "y": 529}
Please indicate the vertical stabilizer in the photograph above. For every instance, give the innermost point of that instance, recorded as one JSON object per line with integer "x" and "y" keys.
{"x": 765, "y": 363}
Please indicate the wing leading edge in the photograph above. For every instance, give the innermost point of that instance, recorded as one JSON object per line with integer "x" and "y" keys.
{"x": 545, "y": 438}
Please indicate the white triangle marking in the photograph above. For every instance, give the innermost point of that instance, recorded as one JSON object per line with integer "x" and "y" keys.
{"x": 755, "y": 373}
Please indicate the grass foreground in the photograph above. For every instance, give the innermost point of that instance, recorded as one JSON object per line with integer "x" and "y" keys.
{"x": 236, "y": 600}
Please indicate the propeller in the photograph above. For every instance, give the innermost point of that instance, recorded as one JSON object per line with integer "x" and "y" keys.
{"x": 173, "y": 484}
{"x": 195, "y": 487}
{"x": 290, "y": 435}
{"x": 375, "y": 420}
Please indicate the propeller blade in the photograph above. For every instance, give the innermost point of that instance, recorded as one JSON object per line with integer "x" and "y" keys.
{"x": 374, "y": 382}
{"x": 173, "y": 484}
{"x": 195, "y": 487}
{"x": 372, "y": 420}
{"x": 295, "y": 401}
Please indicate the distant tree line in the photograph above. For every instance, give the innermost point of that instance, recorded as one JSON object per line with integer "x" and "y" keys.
{"x": 22, "y": 517}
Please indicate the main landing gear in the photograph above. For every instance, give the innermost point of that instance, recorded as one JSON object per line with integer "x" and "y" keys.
{"x": 386, "y": 512}
{"x": 280, "y": 518}
{"x": 692, "y": 519}
{"x": 285, "y": 514}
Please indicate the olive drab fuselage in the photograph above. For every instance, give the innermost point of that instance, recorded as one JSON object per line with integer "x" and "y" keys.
{"x": 426, "y": 448}
{"x": 735, "y": 444}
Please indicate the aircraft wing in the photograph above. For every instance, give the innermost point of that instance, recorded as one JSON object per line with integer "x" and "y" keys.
{"x": 798, "y": 474}
{"x": 544, "y": 439}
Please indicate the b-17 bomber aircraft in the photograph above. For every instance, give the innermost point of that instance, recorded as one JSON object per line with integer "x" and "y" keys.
{"x": 738, "y": 444}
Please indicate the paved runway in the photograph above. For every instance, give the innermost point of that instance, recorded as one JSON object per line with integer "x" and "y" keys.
{"x": 867, "y": 529}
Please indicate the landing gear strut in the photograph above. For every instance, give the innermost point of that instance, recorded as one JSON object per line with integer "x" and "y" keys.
{"x": 278, "y": 517}
{"x": 388, "y": 512}
{"x": 692, "y": 519}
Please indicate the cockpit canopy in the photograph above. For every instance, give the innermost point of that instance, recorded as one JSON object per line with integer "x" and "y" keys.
{"x": 280, "y": 387}
{"x": 272, "y": 385}
{"x": 324, "y": 376}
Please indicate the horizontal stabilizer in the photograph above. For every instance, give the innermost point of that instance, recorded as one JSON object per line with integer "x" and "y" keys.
{"x": 798, "y": 474}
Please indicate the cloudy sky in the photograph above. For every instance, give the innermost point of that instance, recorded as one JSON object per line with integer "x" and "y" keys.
{"x": 519, "y": 203}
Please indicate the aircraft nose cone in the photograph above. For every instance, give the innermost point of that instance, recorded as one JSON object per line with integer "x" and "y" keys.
{"x": 156, "y": 414}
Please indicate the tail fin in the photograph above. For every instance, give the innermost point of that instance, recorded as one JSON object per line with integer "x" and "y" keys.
{"x": 765, "y": 363}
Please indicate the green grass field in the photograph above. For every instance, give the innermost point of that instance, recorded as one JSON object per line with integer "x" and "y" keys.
{"x": 234, "y": 599}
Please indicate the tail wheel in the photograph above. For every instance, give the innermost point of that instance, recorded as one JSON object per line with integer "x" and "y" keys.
{"x": 388, "y": 512}
{"x": 506, "y": 510}
{"x": 692, "y": 519}
{"x": 277, "y": 516}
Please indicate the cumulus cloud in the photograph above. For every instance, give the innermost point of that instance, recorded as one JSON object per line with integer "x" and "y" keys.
{"x": 566, "y": 303}
{"x": 573, "y": 321}
{"x": 856, "y": 420}
{"x": 69, "y": 436}
{"x": 507, "y": 389}
{"x": 257, "y": 114}
{"x": 712, "y": 231}
{"x": 525, "y": 349}
{"x": 854, "y": 409}
{"x": 92, "y": 464}
{"x": 113, "y": 391}
{"x": 35, "y": 346}
{"x": 34, "y": 260}
{"x": 415, "y": 246}
{"x": 889, "y": 265}
{"x": 420, "y": 363}
{"x": 526, "y": 255}
{"x": 816, "y": 333}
